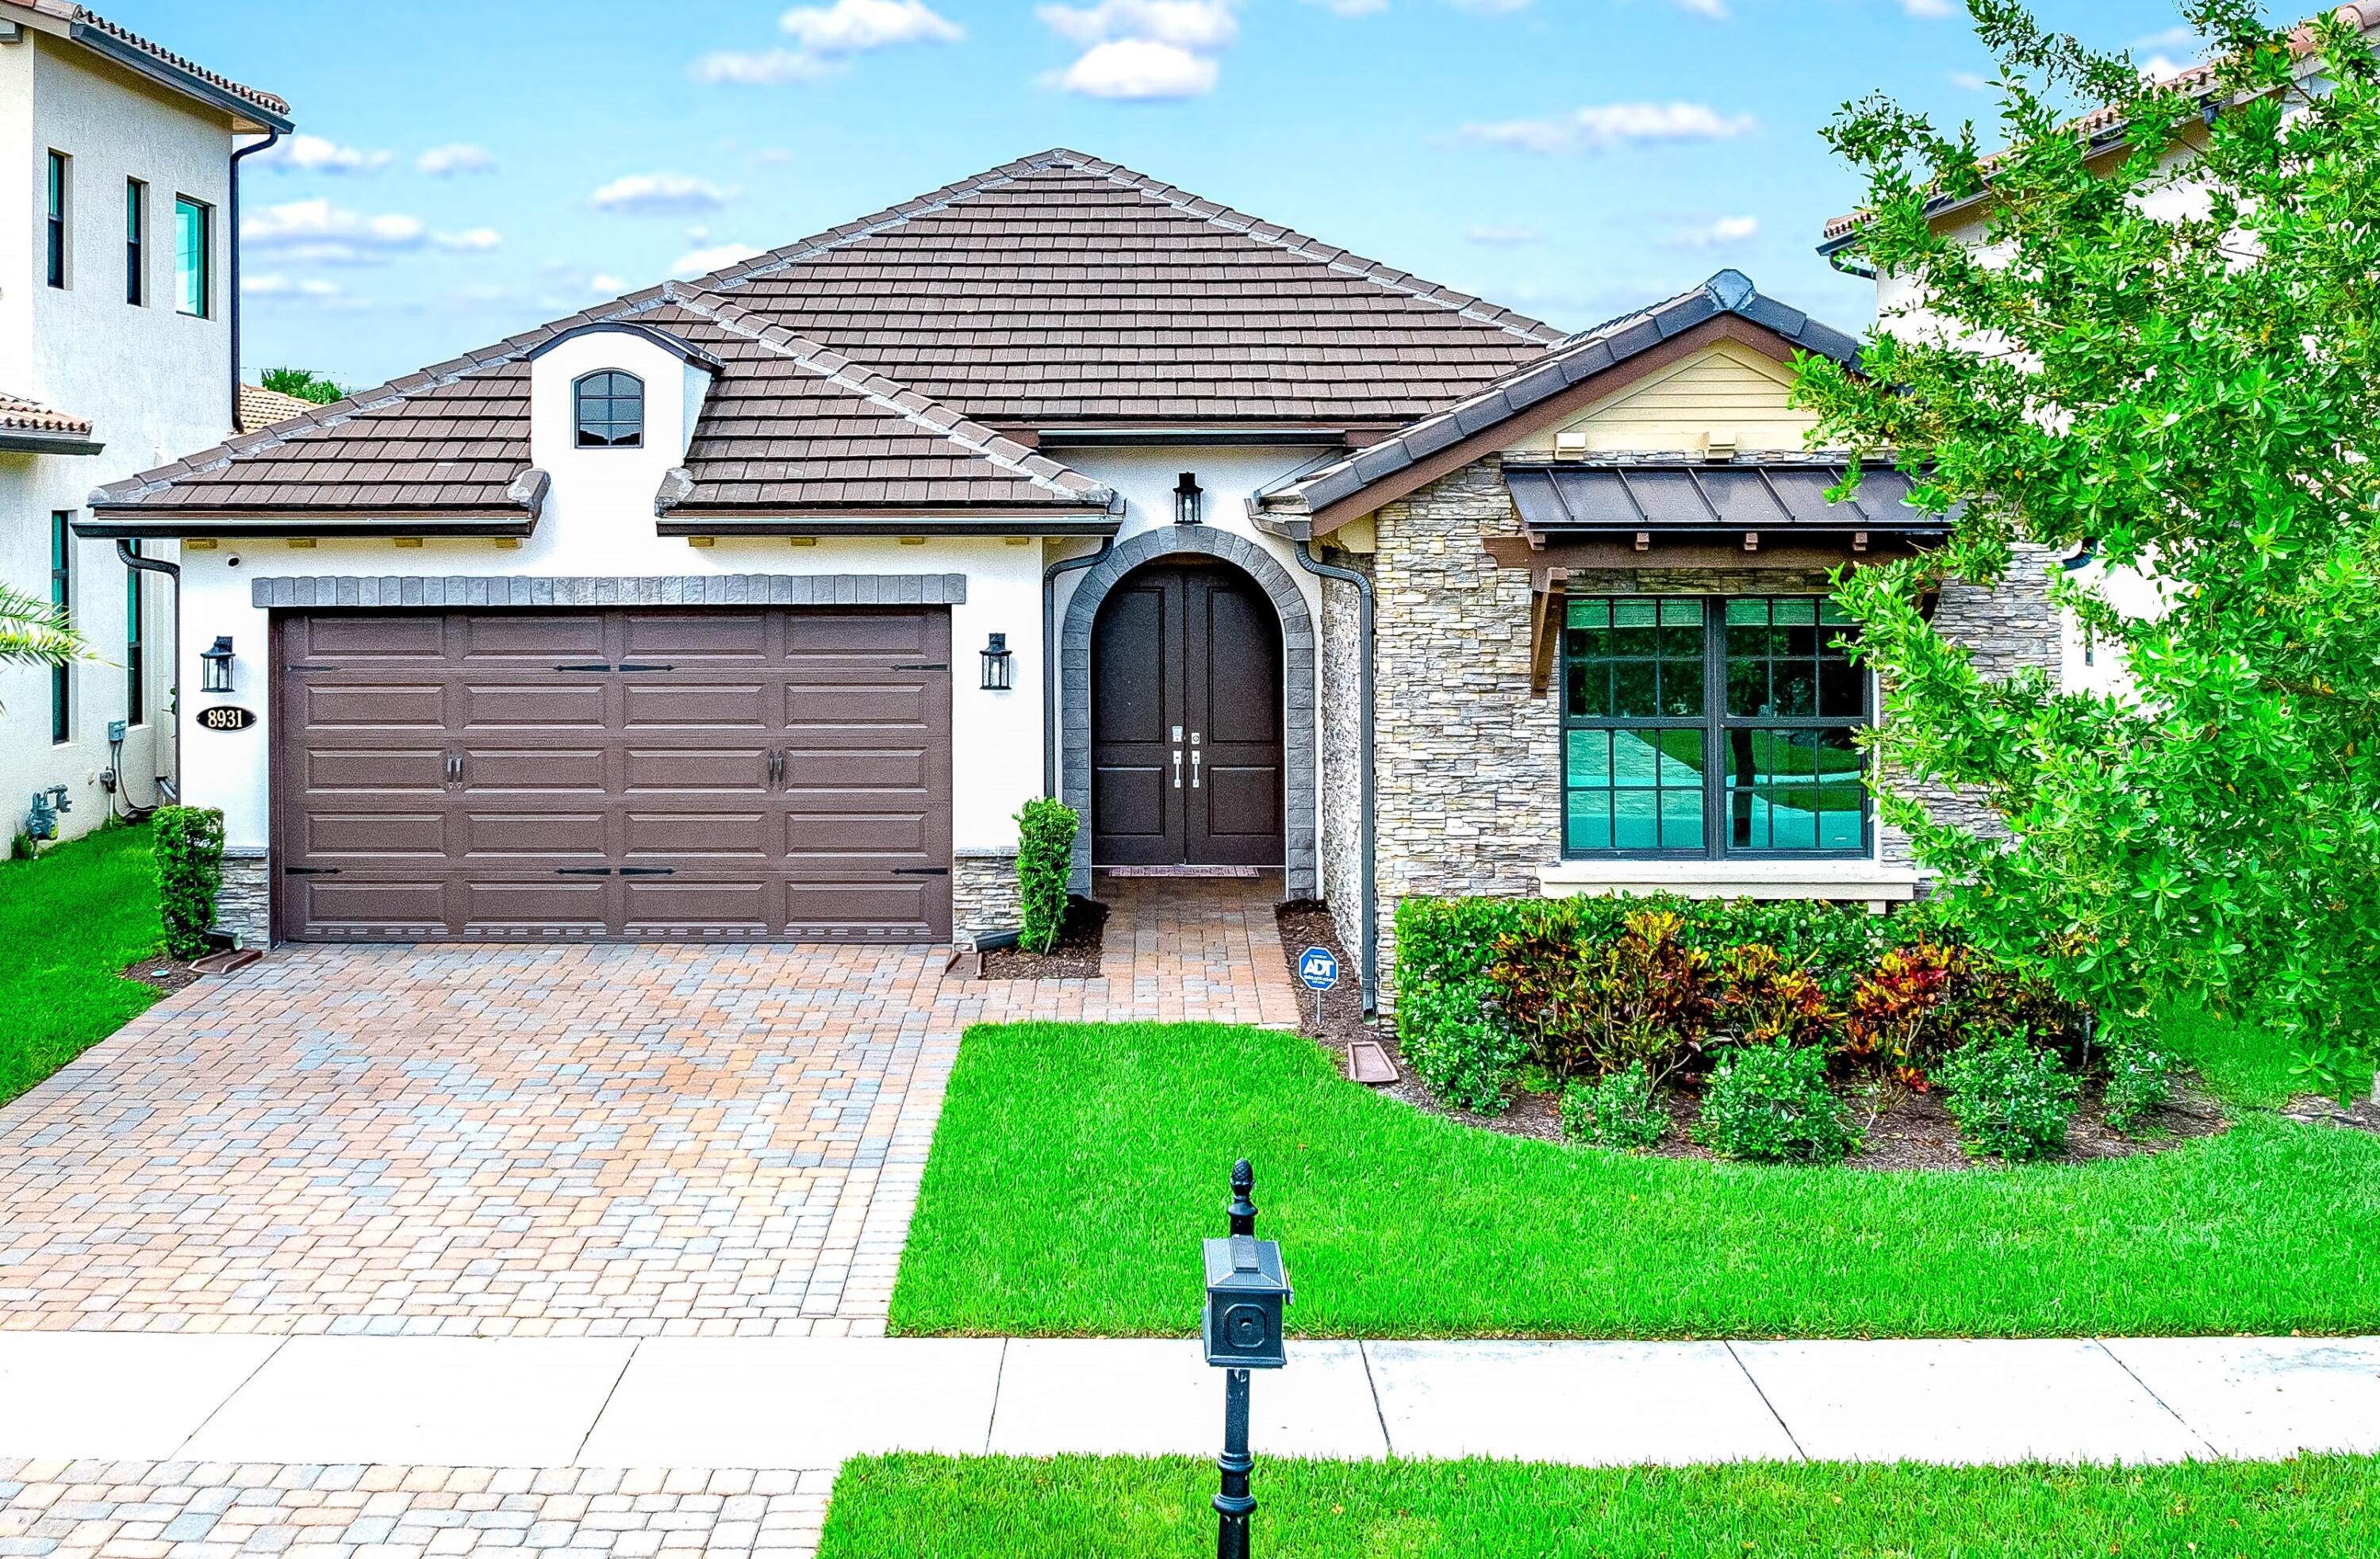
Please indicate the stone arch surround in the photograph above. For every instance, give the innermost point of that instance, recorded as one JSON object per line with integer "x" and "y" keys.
{"x": 1298, "y": 734}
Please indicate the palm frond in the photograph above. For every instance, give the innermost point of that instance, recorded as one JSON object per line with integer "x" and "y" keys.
{"x": 33, "y": 632}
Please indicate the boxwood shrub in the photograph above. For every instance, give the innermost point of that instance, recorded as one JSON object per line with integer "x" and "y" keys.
{"x": 1771, "y": 1102}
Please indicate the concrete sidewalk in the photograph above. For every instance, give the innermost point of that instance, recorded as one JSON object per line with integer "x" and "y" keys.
{"x": 807, "y": 1403}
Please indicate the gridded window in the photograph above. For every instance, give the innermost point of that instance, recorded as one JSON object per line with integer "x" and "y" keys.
{"x": 1711, "y": 727}
{"x": 193, "y": 256}
{"x": 610, "y": 406}
{"x": 53, "y": 226}
{"x": 60, "y": 597}
{"x": 136, "y": 240}
{"x": 136, "y": 644}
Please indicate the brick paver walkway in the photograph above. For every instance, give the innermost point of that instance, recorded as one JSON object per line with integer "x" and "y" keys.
{"x": 191, "y": 1510}
{"x": 562, "y": 1140}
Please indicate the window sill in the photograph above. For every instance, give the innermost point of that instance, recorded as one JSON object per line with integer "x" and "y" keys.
{"x": 1854, "y": 880}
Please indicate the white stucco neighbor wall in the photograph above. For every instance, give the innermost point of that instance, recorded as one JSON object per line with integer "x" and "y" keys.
{"x": 154, "y": 384}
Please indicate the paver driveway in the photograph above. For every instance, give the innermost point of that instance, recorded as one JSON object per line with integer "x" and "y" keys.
{"x": 543, "y": 1140}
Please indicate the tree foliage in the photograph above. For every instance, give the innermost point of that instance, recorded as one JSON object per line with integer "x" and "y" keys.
{"x": 302, "y": 382}
{"x": 34, "y": 633}
{"x": 2161, "y": 344}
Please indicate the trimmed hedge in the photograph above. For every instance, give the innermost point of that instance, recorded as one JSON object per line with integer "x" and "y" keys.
{"x": 189, "y": 844}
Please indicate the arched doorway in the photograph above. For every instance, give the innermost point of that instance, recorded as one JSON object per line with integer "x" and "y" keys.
{"x": 1186, "y": 720}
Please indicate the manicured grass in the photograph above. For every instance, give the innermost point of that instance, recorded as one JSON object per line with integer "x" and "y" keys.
{"x": 68, "y": 922}
{"x": 2237, "y": 1062}
{"x": 1077, "y": 1168}
{"x": 928, "y": 1507}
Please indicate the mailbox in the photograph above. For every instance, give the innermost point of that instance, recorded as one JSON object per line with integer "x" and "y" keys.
{"x": 1247, "y": 1292}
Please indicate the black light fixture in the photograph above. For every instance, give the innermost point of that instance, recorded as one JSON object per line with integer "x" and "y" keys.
{"x": 216, "y": 665}
{"x": 997, "y": 677}
{"x": 1185, "y": 499}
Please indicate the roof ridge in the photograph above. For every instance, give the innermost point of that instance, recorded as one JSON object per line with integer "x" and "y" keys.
{"x": 913, "y": 406}
{"x": 1213, "y": 213}
{"x": 70, "y": 11}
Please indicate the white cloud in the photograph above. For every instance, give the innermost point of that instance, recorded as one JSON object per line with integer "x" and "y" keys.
{"x": 603, "y": 285}
{"x": 475, "y": 240}
{"x": 456, "y": 157}
{"x": 1715, "y": 9}
{"x": 1148, "y": 51}
{"x": 324, "y": 234}
{"x": 2183, "y": 39}
{"x": 1492, "y": 8}
{"x": 1711, "y": 235}
{"x": 716, "y": 257}
{"x": 2162, "y": 68}
{"x": 1352, "y": 7}
{"x": 1185, "y": 24}
{"x": 772, "y": 68}
{"x": 312, "y": 154}
{"x": 1603, "y": 125}
{"x": 1506, "y": 237}
{"x": 660, "y": 194}
{"x": 1968, "y": 80}
{"x": 277, "y": 286}
{"x": 1134, "y": 69}
{"x": 850, "y": 27}
{"x": 1930, "y": 10}
{"x": 772, "y": 156}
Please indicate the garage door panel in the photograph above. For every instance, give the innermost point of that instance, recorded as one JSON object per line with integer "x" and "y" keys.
{"x": 643, "y": 799}
{"x": 381, "y": 836}
{"x": 696, "y": 834}
{"x": 375, "y": 771}
{"x": 712, "y": 771}
{"x": 697, "y": 705}
{"x": 551, "y": 706}
{"x": 365, "y": 636}
{"x": 374, "y": 706}
{"x": 572, "y": 836}
{"x": 533, "y": 637}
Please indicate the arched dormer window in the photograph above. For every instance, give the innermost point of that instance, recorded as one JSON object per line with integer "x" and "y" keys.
{"x": 610, "y": 406}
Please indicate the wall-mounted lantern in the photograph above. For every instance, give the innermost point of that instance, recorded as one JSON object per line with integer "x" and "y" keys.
{"x": 1186, "y": 494}
{"x": 216, "y": 665}
{"x": 998, "y": 664}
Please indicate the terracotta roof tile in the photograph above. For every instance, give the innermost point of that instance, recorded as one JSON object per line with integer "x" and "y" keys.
{"x": 24, "y": 413}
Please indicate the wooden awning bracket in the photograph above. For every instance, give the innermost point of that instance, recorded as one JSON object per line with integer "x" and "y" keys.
{"x": 1548, "y": 607}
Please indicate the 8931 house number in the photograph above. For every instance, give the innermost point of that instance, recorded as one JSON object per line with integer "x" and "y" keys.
{"x": 227, "y": 717}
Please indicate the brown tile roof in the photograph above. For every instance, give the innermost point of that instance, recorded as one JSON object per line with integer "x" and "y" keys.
{"x": 261, "y": 408}
{"x": 2302, "y": 44}
{"x": 83, "y": 16}
{"x": 1054, "y": 291}
{"x": 28, "y": 415}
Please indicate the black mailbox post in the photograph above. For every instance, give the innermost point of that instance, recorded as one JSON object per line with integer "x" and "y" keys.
{"x": 1247, "y": 1290}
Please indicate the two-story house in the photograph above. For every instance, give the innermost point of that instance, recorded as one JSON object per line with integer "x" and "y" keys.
{"x": 118, "y": 310}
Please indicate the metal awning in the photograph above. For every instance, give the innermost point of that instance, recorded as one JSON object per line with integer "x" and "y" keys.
{"x": 1688, "y": 499}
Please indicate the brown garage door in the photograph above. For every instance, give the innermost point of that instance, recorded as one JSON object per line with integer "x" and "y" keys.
{"x": 729, "y": 775}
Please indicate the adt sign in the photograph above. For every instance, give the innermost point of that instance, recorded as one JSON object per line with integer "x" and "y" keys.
{"x": 1317, "y": 969}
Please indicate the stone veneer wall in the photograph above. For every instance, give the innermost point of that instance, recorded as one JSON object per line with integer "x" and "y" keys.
{"x": 984, "y": 898}
{"x": 1342, "y": 756}
{"x": 1468, "y": 764}
{"x": 244, "y": 903}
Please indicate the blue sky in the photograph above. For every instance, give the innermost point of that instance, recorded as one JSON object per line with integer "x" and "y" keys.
{"x": 477, "y": 168}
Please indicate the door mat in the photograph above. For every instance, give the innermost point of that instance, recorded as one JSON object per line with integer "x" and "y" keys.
{"x": 1234, "y": 872}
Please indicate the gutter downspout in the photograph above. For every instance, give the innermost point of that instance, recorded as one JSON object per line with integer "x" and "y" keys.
{"x": 172, "y": 572}
{"x": 1051, "y": 735}
{"x": 231, "y": 242}
{"x": 1369, "y": 892}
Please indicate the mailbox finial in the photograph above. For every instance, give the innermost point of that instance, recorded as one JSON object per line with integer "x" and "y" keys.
{"x": 1242, "y": 1210}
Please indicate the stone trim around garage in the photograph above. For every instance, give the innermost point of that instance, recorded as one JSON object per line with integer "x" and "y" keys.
{"x": 985, "y": 900}
{"x": 316, "y": 593}
{"x": 244, "y": 901}
{"x": 1297, "y": 653}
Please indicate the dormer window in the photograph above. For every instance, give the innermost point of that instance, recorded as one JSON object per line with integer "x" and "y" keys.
{"x": 611, "y": 410}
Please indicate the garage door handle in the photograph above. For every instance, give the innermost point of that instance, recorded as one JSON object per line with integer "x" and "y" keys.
{"x": 649, "y": 872}
{"x": 454, "y": 768}
{"x": 777, "y": 766}
{"x": 582, "y": 871}
{"x": 310, "y": 871}
{"x": 625, "y": 666}
{"x": 921, "y": 872}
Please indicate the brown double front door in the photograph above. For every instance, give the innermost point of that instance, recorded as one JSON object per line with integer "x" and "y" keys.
{"x": 1187, "y": 721}
{"x": 737, "y": 773}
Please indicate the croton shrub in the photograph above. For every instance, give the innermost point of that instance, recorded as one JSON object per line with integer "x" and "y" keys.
{"x": 1678, "y": 992}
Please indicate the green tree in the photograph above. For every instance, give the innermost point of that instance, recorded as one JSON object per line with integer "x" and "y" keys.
{"x": 302, "y": 382}
{"x": 33, "y": 632}
{"x": 2171, "y": 358}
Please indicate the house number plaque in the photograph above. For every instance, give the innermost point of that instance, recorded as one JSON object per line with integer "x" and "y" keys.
{"x": 227, "y": 717}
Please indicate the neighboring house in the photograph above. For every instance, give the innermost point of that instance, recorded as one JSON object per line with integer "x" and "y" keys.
{"x": 755, "y": 605}
{"x": 261, "y": 408}
{"x": 115, "y": 353}
{"x": 1901, "y": 306}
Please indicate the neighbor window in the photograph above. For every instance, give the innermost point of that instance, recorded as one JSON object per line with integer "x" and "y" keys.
{"x": 611, "y": 407}
{"x": 1707, "y": 727}
{"x": 136, "y": 635}
{"x": 55, "y": 228}
{"x": 60, "y": 597}
{"x": 193, "y": 260}
{"x": 136, "y": 237}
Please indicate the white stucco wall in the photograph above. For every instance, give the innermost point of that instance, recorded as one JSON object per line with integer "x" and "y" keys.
{"x": 155, "y": 384}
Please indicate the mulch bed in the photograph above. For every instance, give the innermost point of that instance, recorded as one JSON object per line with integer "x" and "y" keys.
{"x": 168, "y": 975}
{"x": 2314, "y": 1110}
{"x": 1081, "y": 943}
{"x": 1905, "y": 1129}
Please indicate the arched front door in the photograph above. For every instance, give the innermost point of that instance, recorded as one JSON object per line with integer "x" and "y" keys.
{"x": 1186, "y": 720}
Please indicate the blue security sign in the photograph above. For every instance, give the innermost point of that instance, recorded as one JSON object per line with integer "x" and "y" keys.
{"x": 1317, "y": 969}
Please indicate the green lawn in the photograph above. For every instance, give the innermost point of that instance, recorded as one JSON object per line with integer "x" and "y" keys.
{"x": 928, "y": 1507}
{"x": 1077, "y": 1168}
{"x": 68, "y": 922}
